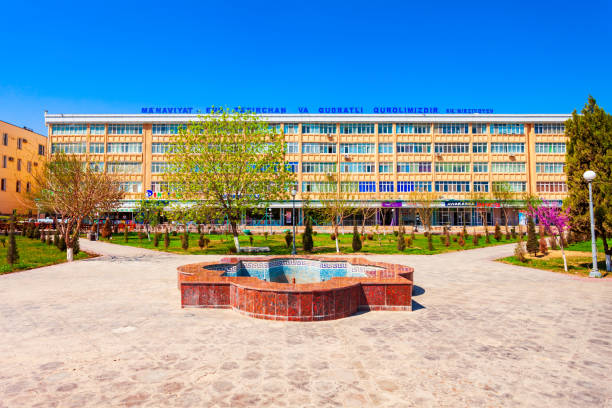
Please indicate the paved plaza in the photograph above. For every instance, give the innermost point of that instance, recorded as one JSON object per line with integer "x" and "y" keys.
{"x": 109, "y": 331}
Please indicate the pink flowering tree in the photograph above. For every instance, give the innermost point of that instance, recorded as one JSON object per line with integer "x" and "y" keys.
{"x": 555, "y": 221}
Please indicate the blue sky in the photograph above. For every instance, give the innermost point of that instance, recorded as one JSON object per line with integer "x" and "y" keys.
{"x": 118, "y": 56}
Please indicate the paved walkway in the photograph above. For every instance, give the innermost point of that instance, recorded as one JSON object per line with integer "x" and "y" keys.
{"x": 109, "y": 331}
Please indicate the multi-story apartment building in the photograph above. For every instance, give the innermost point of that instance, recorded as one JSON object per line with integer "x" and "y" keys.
{"x": 378, "y": 158}
{"x": 22, "y": 151}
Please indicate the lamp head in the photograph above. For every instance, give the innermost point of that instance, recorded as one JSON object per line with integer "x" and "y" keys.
{"x": 589, "y": 175}
{"x": 293, "y": 192}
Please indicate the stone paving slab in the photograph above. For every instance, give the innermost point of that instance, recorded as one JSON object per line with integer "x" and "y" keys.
{"x": 109, "y": 331}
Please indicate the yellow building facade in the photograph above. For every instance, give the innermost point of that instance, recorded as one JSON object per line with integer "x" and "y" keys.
{"x": 22, "y": 152}
{"x": 378, "y": 160}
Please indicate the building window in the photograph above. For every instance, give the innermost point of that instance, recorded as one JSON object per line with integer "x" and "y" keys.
{"x": 357, "y": 128}
{"x": 357, "y": 148}
{"x": 385, "y": 186}
{"x": 5, "y": 139}
{"x": 549, "y": 128}
{"x": 29, "y": 167}
{"x": 479, "y": 128}
{"x": 385, "y": 167}
{"x": 318, "y": 148}
{"x": 41, "y": 150}
{"x": 19, "y": 143}
{"x": 318, "y": 167}
{"x": 507, "y": 129}
{"x": 319, "y": 128}
{"x": 159, "y": 186}
{"x": 453, "y": 186}
{"x": 385, "y": 148}
{"x": 318, "y": 187}
{"x": 550, "y": 167}
{"x": 97, "y": 167}
{"x": 452, "y": 147}
{"x": 551, "y": 187}
{"x": 159, "y": 167}
{"x": 97, "y": 129}
{"x": 292, "y": 167}
{"x": 410, "y": 186}
{"x": 512, "y": 186}
{"x": 291, "y": 128}
{"x": 134, "y": 147}
{"x": 97, "y": 148}
{"x": 69, "y": 148}
{"x": 367, "y": 186}
{"x": 481, "y": 167}
{"x": 452, "y": 128}
{"x": 349, "y": 186}
{"x": 452, "y": 167}
{"x": 18, "y": 186}
{"x": 550, "y": 148}
{"x": 481, "y": 186}
{"x": 414, "y": 148}
{"x": 3, "y": 184}
{"x": 28, "y": 186}
{"x": 385, "y": 128}
{"x": 4, "y": 160}
{"x": 131, "y": 186}
{"x": 292, "y": 147}
{"x": 357, "y": 167}
{"x": 508, "y": 167}
{"x": 167, "y": 128}
{"x": 479, "y": 147}
{"x": 124, "y": 167}
{"x": 125, "y": 129}
{"x": 414, "y": 167}
{"x": 412, "y": 129}
{"x": 18, "y": 164}
{"x": 159, "y": 148}
{"x": 508, "y": 148}
{"x": 274, "y": 128}
{"x": 69, "y": 130}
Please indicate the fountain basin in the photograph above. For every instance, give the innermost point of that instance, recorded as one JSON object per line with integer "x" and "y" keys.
{"x": 303, "y": 288}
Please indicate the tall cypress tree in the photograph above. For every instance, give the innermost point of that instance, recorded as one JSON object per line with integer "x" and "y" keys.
{"x": 307, "y": 242}
{"x": 589, "y": 147}
{"x": 532, "y": 240}
{"x": 356, "y": 239}
{"x": 12, "y": 254}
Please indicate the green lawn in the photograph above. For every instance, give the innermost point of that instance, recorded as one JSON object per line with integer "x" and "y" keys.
{"x": 586, "y": 246}
{"x": 577, "y": 265}
{"x": 33, "y": 254}
{"x": 220, "y": 244}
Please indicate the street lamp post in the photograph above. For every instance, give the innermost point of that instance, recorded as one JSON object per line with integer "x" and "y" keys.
{"x": 293, "y": 193}
{"x": 270, "y": 219}
{"x": 589, "y": 176}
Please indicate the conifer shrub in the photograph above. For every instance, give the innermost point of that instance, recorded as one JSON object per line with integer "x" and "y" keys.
{"x": 370, "y": 237}
{"x": 332, "y": 236}
{"x": 185, "y": 240}
{"x": 429, "y": 243}
{"x": 62, "y": 244}
{"x": 106, "y": 229}
{"x": 156, "y": 237}
{"x": 461, "y": 242}
{"x": 454, "y": 239}
{"x": 408, "y": 241}
{"x": 50, "y": 239}
{"x": 475, "y": 239}
{"x": 288, "y": 238}
{"x": 513, "y": 232}
{"x": 251, "y": 240}
{"x": 265, "y": 235}
{"x": 356, "y": 244}
{"x": 174, "y": 233}
{"x": 12, "y": 253}
{"x": 76, "y": 246}
{"x": 3, "y": 241}
{"x": 166, "y": 239}
{"x": 307, "y": 241}
{"x": 543, "y": 247}
{"x": 532, "y": 241}
{"x": 497, "y": 234}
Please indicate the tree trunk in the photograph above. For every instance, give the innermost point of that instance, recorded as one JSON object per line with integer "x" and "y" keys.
{"x": 69, "y": 254}
{"x": 563, "y": 254}
{"x": 337, "y": 239}
{"x": 235, "y": 234}
{"x": 147, "y": 230}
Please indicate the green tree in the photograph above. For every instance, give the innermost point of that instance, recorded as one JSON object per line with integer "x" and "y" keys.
{"x": 307, "y": 242}
{"x": 401, "y": 242}
{"x": 12, "y": 253}
{"x": 166, "y": 239}
{"x": 156, "y": 237}
{"x": 238, "y": 165}
{"x": 532, "y": 240}
{"x": 149, "y": 212}
{"x": 498, "y": 234}
{"x": 589, "y": 147}
{"x": 356, "y": 244}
